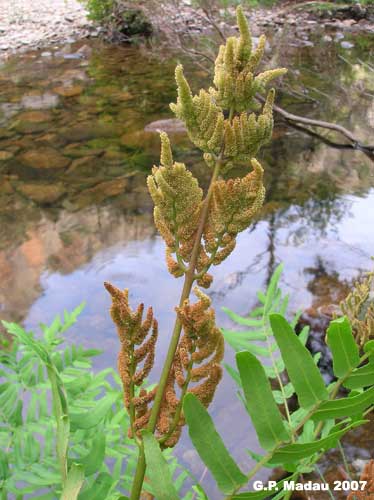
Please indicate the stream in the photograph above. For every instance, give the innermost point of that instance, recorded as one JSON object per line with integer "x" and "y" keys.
{"x": 75, "y": 211}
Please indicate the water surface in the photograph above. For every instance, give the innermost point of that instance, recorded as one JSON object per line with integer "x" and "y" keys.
{"x": 74, "y": 209}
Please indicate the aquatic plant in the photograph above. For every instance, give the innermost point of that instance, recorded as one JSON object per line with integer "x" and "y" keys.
{"x": 199, "y": 231}
{"x": 227, "y": 123}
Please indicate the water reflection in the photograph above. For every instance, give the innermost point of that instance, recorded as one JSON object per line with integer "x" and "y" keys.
{"x": 74, "y": 210}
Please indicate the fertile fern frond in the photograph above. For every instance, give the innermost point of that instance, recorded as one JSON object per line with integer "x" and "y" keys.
{"x": 201, "y": 115}
{"x": 235, "y": 203}
{"x": 358, "y": 306}
{"x": 197, "y": 360}
{"x": 234, "y": 79}
{"x": 177, "y": 198}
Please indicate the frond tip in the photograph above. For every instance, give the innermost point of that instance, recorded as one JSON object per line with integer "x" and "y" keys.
{"x": 235, "y": 82}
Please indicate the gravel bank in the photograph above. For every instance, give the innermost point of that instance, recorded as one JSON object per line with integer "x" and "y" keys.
{"x": 26, "y": 24}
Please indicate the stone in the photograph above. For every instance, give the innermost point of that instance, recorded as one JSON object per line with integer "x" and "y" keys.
{"x": 349, "y": 22}
{"x": 73, "y": 74}
{"x": 76, "y": 151}
{"x": 79, "y": 162}
{"x": 44, "y": 157}
{"x": 112, "y": 157}
{"x": 5, "y": 187}
{"x": 34, "y": 116}
{"x": 5, "y": 155}
{"x": 100, "y": 192}
{"x": 42, "y": 193}
{"x": 68, "y": 91}
{"x": 44, "y": 101}
{"x": 29, "y": 127}
{"x": 172, "y": 125}
{"x": 346, "y": 45}
{"x": 5, "y": 133}
{"x": 327, "y": 38}
{"x": 90, "y": 130}
{"x": 85, "y": 51}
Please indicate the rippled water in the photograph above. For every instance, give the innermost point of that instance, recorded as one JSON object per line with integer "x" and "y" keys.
{"x": 74, "y": 209}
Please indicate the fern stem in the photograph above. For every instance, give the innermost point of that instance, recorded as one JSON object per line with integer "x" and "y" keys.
{"x": 345, "y": 462}
{"x": 137, "y": 484}
{"x": 254, "y": 471}
{"x": 132, "y": 392}
{"x": 281, "y": 386}
{"x": 179, "y": 407}
{"x": 188, "y": 282}
{"x": 320, "y": 473}
{"x": 61, "y": 443}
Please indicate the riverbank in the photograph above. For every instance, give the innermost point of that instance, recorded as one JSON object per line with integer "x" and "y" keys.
{"x": 26, "y": 24}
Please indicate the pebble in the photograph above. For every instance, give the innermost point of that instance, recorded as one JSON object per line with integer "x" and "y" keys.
{"x": 27, "y": 24}
{"x": 346, "y": 45}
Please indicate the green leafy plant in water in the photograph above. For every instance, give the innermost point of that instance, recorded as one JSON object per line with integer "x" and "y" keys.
{"x": 200, "y": 230}
{"x": 63, "y": 428}
{"x": 292, "y": 439}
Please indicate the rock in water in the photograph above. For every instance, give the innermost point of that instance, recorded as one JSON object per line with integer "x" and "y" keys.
{"x": 44, "y": 158}
{"x": 170, "y": 126}
{"x": 42, "y": 193}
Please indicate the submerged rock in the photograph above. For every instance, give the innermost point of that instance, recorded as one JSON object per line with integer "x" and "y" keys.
{"x": 90, "y": 130}
{"x": 42, "y": 193}
{"x": 5, "y": 155}
{"x": 100, "y": 192}
{"x": 44, "y": 101}
{"x": 34, "y": 116}
{"x": 45, "y": 157}
{"x": 346, "y": 45}
{"x": 172, "y": 125}
{"x": 26, "y": 127}
{"x": 68, "y": 90}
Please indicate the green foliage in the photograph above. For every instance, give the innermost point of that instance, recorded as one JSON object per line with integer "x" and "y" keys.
{"x": 63, "y": 428}
{"x": 260, "y": 402}
{"x": 294, "y": 440}
{"x": 157, "y": 467}
{"x": 302, "y": 372}
{"x": 344, "y": 349}
{"x": 99, "y": 10}
{"x": 210, "y": 446}
{"x": 124, "y": 21}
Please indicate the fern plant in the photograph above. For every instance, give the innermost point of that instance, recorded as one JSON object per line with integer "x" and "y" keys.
{"x": 229, "y": 126}
{"x": 292, "y": 439}
{"x": 63, "y": 428}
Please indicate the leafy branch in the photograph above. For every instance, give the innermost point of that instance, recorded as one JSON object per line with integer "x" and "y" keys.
{"x": 321, "y": 420}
